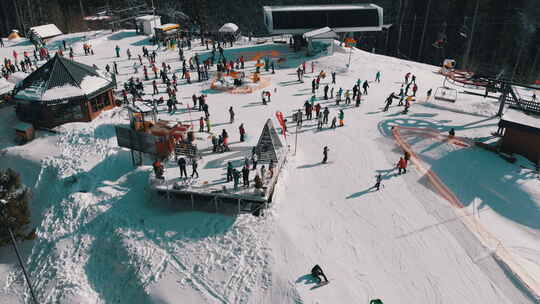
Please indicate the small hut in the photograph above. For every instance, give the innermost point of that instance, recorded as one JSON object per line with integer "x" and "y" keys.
{"x": 63, "y": 91}
{"x": 14, "y": 35}
{"x": 229, "y": 31}
{"x": 521, "y": 134}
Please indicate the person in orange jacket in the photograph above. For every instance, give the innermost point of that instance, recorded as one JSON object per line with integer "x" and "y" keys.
{"x": 402, "y": 165}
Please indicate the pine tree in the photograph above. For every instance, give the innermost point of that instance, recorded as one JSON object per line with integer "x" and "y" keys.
{"x": 15, "y": 214}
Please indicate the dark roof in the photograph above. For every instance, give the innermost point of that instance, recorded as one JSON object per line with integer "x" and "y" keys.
{"x": 60, "y": 71}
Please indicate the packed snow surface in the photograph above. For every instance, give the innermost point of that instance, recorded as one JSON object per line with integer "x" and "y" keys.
{"x": 102, "y": 237}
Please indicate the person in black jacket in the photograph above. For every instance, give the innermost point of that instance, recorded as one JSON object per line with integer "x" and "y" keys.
{"x": 245, "y": 176}
{"x": 194, "y": 166}
{"x": 182, "y": 165}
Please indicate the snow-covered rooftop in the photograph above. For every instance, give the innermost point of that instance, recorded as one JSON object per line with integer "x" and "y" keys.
{"x": 46, "y": 31}
{"x": 228, "y": 28}
{"x": 519, "y": 117}
{"x": 148, "y": 17}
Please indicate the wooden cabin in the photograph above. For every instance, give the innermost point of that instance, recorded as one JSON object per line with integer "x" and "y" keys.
{"x": 63, "y": 91}
{"x": 521, "y": 134}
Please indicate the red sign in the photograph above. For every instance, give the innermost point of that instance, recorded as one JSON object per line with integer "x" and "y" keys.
{"x": 281, "y": 120}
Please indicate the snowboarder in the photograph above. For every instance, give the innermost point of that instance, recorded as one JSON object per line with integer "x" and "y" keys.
{"x": 117, "y": 49}
{"x": 348, "y": 97}
{"x": 254, "y": 159}
{"x": 182, "y": 166}
{"x": 378, "y": 76}
{"x": 242, "y": 132}
{"x": 236, "y": 178}
{"x": 158, "y": 169}
{"x": 334, "y": 121}
{"x": 317, "y": 272}
{"x": 389, "y": 101}
{"x": 378, "y": 182}
{"x": 402, "y": 165}
{"x": 325, "y": 154}
{"x": 319, "y": 122}
{"x": 201, "y": 124}
{"x": 245, "y": 176}
{"x": 428, "y": 95}
{"x": 231, "y": 114}
{"x": 341, "y": 116}
{"x": 325, "y": 115}
{"x": 326, "y": 88}
{"x": 365, "y": 86}
{"x": 207, "y": 121}
{"x": 452, "y": 133}
{"x": 194, "y": 166}
{"x": 229, "y": 172}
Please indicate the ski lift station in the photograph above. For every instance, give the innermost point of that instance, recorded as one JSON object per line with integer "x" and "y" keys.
{"x": 147, "y": 24}
{"x": 340, "y": 18}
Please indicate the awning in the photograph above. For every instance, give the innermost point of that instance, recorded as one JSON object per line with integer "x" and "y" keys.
{"x": 322, "y": 33}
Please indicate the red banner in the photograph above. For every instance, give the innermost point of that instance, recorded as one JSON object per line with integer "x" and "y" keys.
{"x": 281, "y": 120}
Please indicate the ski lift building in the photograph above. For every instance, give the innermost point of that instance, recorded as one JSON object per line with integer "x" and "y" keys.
{"x": 298, "y": 19}
{"x": 147, "y": 24}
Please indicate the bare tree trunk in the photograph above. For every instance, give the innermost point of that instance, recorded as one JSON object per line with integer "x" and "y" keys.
{"x": 18, "y": 16}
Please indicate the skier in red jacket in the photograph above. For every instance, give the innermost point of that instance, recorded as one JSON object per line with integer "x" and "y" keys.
{"x": 402, "y": 165}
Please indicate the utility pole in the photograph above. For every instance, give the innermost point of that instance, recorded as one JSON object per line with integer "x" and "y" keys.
{"x": 471, "y": 36}
{"x": 19, "y": 20}
{"x": 424, "y": 31}
{"x": 4, "y": 215}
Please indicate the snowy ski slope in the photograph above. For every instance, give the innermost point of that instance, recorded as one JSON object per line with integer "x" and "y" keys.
{"x": 103, "y": 238}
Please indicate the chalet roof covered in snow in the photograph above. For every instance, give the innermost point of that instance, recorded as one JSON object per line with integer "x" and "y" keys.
{"x": 46, "y": 31}
{"x": 61, "y": 78}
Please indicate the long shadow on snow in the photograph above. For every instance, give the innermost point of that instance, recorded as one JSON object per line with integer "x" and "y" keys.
{"x": 128, "y": 216}
{"x": 477, "y": 174}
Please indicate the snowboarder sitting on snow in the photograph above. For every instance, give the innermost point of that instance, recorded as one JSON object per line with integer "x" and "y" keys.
{"x": 452, "y": 133}
{"x": 317, "y": 272}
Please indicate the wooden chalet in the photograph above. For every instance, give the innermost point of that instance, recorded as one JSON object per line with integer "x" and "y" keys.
{"x": 521, "y": 134}
{"x": 63, "y": 91}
